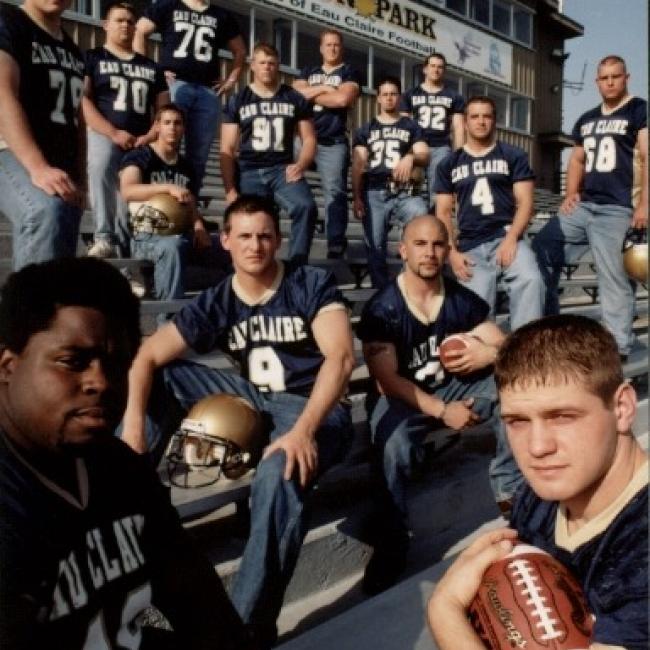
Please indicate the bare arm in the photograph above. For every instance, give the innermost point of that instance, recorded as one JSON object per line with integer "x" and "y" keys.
{"x": 459, "y": 262}
{"x": 310, "y": 92}
{"x": 98, "y": 123}
{"x": 18, "y": 135}
{"x": 507, "y": 250}
{"x": 342, "y": 97}
{"x": 333, "y": 335}
{"x": 640, "y": 215}
{"x": 575, "y": 174}
{"x": 359, "y": 164}
{"x": 162, "y": 347}
{"x": 162, "y": 98}
{"x": 483, "y": 343}
{"x": 294, "y": 172}
{"x": 133, "y": 189}
{"x": 238, "y": 49}
{"x": 228, "y": 159}
{"x": 143, "y": 29}
{"x": 457, "y": 130}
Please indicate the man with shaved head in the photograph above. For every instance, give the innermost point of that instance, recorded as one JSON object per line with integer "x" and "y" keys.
{"x": 401, "y": 328}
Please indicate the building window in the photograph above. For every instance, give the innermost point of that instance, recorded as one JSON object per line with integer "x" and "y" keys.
{"x": 474, "y": 89}
{"x": 357, "y": 58}
{"x": 501, "y": 17}
{"x": 520, "y": 113}
{"x": 501, "y": 100}
{"x": 309, "y": 50}
{"x": 383, "y": 67}
{"x": 452, "y": 82}
{"x": 282, "y": 30}
{"x": 458, "y": 5}
{"x": 479, "y": 10}
{"x": 522, "y": 25}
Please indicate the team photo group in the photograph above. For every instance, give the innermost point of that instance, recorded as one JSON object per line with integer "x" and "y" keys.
{"x": 90, "y": 409}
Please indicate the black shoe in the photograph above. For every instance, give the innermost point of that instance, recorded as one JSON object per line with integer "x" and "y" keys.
{"x": 505, "y": 507}
{"x": 383, "y": 571}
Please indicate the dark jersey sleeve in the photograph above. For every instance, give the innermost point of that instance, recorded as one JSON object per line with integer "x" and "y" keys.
{"x": 229, "y": 26}
{"x": 202, "y": 321}
{"x": 405, "y": 103}
{"x": 521, "y": 170}
{"x": 458, "y": 104}
{"x": 443, "y": 184}
{"x": 418, "y": 134}
{"x": 13, "y": 46}
{"x": 360, "y": 138}
{"x": 320, "y": 290}
{"x": 376, "y": 323}
{"x": 304, "y": 109}
{"x": 230, "y": 114}
{"x": 158, "y": 11}
{"x": 136, "y": 157}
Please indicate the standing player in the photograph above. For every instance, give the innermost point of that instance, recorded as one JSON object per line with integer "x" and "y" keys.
{"x": 41, "y": 142}
{"x": 386, "y": 150}
{"x": 493, "y": 184}
{"x": 333, "y": 87}
{"x": 401, "y": 328}
{"x": 288, "y": 330}
{"x": 439, "y": 112}
{"x": 158, "y": 168}
{"x": 597, "y": 209}
{"x": 121, "y": 91}
{"x": 192, "y": 33}
{"x": 88, "y": 538}
{"x": 568, "y": 412}
{"x": 258, "y": 130}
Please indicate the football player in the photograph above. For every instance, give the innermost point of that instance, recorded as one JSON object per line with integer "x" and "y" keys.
{"x": 401, "y": 329}
{"x": 158, "y": 168}
{"x": 597, "y": 209}
{"x": 41, "y": 139}
{"x": 385, "y": 152}
{"x": 287, "y": 329}
{"x": 493, "y": 185}
{"x": 568, "y": 412}
{"x": 88, "y": 538}
{"x": 333, "y": 87}
{"x": 193, "y": 32}
{"x": 121, "y": 91}
{"x": 258, "y": 131}
{"x": 439, "y": 111}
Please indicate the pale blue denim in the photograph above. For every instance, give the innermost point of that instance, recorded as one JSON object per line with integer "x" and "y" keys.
{"x": 436, "y": 155}
{"x": 565, "y": 239}
{"x": 382, "y": 210}
{"x": 44, "y": 227}
{"x": 295, "y": 198}
{"x": 398, "y": 431}
{"x": 332, "y": 162}
{"x": 279, "y": 508}
{"x": 108, "y": 206}
{"x": 522, "y": 281}
{"x": 202, "y": 108}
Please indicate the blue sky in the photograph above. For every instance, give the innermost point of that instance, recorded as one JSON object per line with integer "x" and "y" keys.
{"x": 611, "y": 27}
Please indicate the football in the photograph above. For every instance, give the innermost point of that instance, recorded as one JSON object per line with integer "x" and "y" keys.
{"x": 451, "y": 343}
{"x": 530, "y": 600}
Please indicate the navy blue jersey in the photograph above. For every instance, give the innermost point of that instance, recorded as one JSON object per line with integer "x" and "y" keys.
{"x": 433, "y": 112}
{"x": 271, "y": 341}
{"x": 483, "y": 188}
{"x": 51, "y": 85}
{"x": 387, "y": 144}
{"x": 388, "y": 318}
{"x": 266, "y": 125}
{"x": 608, "y": 141}
{"x": 155, "y": 170}
{"x": 191, "y": 39}
{"x": 77, "y": 569}
{"x": 612, "y": 566}
{"x": 330, "y": 123}
{"x": 124, "y": 91}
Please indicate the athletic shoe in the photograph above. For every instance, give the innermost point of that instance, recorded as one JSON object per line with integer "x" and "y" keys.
{"x": 101, "y": 248}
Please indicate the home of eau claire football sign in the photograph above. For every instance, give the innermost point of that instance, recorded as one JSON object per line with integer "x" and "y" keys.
{"x": 412, "y": 28}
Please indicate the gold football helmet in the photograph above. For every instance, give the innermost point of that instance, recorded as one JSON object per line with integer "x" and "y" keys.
{"x": 221, "y": 434}
{"x": 162, "y": 214}
{"x": 635, "y": 254}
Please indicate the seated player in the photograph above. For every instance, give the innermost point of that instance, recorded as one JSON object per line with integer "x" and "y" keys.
{"x": 88, "y": 538}
{"x": 257, "y": 138}
{"x": 493, "y": 185}
{"x": 158, "y": 168}
{"x": 385, "y": 151}
{"x": 287, "y": 328}
{"x": 568, "y": 413}
{"x": 121, "y": 90}
{"x": 401, "y": 328}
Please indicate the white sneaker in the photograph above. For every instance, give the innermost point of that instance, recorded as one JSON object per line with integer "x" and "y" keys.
{"x": 101, "y": 248}
{"x": 137, "y": 288}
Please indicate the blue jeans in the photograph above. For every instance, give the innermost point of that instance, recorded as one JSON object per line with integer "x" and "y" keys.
{"x": 279, "y": 508}
{"x": 295, "y": 198}
{"x": 332, "y": 162}
{"x": 397, "y": 432}
{"x": 565, "y": 239}
{"x": 169, "y": 256}
{"x": 202, "y": 108}
{"x": 523, "y": 281}
{"x": 383, "y": 208}
{"x": 44, "y": 227}
{"x": 109, "y": 209}
{"x": 436, "y": 155}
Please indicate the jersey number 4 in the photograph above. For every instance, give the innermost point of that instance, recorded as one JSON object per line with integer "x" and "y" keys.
{"x": 482, "y": 195}
{"x": 202, "y": 37}
{"x": 601, "y": 155}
